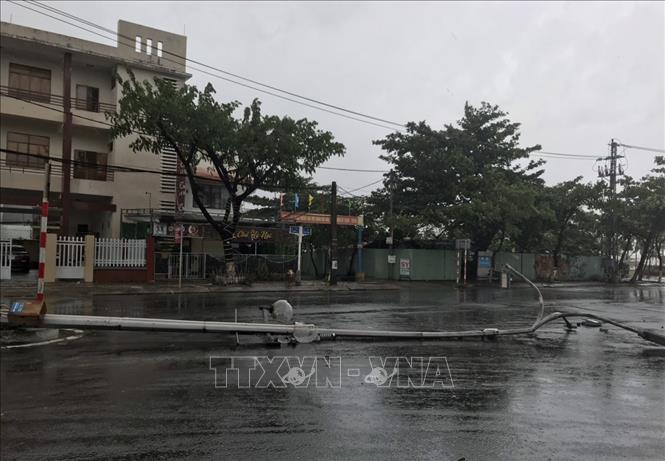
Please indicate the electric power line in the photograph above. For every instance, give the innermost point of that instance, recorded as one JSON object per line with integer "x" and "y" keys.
{"x": 649, "y": 149}
{"x": 62, "y": 111}
{"x": 130, "y": 45}
{"x": 561, "y": 154}
{"x": 351, "y": 192}
{"x": 116, "y": 35}
{"x": 128, "y": 169}
{"x": 547, "y": 157}
{"x": 358, "y": 170}
{"x": 92, "y": 24}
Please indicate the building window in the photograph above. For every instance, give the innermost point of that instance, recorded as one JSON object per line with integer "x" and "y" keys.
{"x": 87, "y": 98}
{"x": 148, "y": 46}
{"x": 159, "y": 49}
{"x": 35, "y": 148}
{"x": 90, "y": 165}
{"x": 211, "y": 196}
{"x": 170, "y": 81}
{"x": 137, "y": 44}
{"x": 30, "y": 82}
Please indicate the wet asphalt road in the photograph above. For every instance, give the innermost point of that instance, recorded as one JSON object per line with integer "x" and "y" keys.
{"x": 121, "y": 395}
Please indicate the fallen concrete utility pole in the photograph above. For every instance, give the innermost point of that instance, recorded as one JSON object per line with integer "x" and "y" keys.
{"x": 304, "y": 333}
{"x": 309, "y": 332}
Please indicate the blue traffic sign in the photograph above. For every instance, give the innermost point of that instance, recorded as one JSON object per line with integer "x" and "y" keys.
{"x": 296, "y": 230}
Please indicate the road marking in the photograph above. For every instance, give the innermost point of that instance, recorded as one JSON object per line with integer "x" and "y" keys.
{"x": 77, "y": 334}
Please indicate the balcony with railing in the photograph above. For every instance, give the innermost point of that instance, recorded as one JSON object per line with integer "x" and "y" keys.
{"x": 17, "y": 172}
{"x": 49, "y": 106}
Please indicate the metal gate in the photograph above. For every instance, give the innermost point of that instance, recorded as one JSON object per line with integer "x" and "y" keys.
{"x": 70, "y": 256}
{"x": 5, "y": 259}
{"x": 193, "y": 265}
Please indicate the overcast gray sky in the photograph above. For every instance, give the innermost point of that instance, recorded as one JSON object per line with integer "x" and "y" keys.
{"x": 574, "y": 74}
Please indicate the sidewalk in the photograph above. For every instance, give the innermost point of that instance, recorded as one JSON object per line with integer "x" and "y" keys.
{"x": 27, "y": 288}
{"x": 81, "y": 288}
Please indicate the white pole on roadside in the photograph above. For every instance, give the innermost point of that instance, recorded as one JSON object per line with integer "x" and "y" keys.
{"x": 459, "y": 268}
{"x": 300, "y": 231}
{"x": 43, "y": 229}
{"x": 465, "y": 263}
{"x": 182, "y": 237}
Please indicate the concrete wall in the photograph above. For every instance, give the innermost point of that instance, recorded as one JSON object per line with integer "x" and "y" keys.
{"x": 570, "y": 268}
{"x": 123, "y": 275}
{"x": 435, "y": 265}
{"x": 95, "y": 76}
{"x": 32, "y": 179}
{"x": 523, "y": 262}
{"x": 132, "y": 188}
{"x": 541, "y": 267}
{"x": 50, "y": 61}
{"x": 441, "y": 265}
{"x": 425, "y": 264}
{"x": 172, "y": 43}
{"x": 93, "y": 64}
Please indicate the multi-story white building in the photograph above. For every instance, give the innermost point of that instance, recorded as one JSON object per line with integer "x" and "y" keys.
{"x": 54, "y": 92}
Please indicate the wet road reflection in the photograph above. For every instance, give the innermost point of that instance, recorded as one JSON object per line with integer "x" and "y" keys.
{"x": 585, "y": 394}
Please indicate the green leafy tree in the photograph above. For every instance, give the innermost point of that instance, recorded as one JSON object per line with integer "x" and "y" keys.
{"x": 464, "y": 180}
{"x": 644, "y": 209}
{"x": 569, "y": 201}
{"x": 530, "y": 229}
{"x": 248, "y": 153}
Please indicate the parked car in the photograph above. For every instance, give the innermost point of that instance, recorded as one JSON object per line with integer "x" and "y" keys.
{"x": 20, "y": 259}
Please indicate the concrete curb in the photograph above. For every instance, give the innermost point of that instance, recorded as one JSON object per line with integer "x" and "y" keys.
{"x": 89, "y": 289}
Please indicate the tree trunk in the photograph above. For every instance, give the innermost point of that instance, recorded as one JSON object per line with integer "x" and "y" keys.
{"x": 492, "y": 265}
{"x": 643, "y": 258}
{"x": 228, "y": 229}
{"x": 227, "y": 236}
{"x": 353, "y": 258}
{"x": 625, "y": 251}
{"x": 557, "y": 249}
{"x": 311, "y": 256}
{"x": 660, "y": 261}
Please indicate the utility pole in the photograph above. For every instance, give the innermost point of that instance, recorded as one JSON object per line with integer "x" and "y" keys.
{"x": 65, "y": 197}
{"x": 391, "y": 253}
{"x": 181, "y": 229}
{"x": 333, "y": 234}
{"x": 612, "y": 171}
{"x": 392, "y": 224}
{"x": 300, "y": 235}
{"x": 152, "y": 230}
{"x": 613, "y": 218}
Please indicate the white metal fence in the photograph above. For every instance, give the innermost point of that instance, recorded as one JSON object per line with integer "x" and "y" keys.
{"x": 70, "y": 258}
{"x": 120, "y": 253}
{"x": 5, "y": 259}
